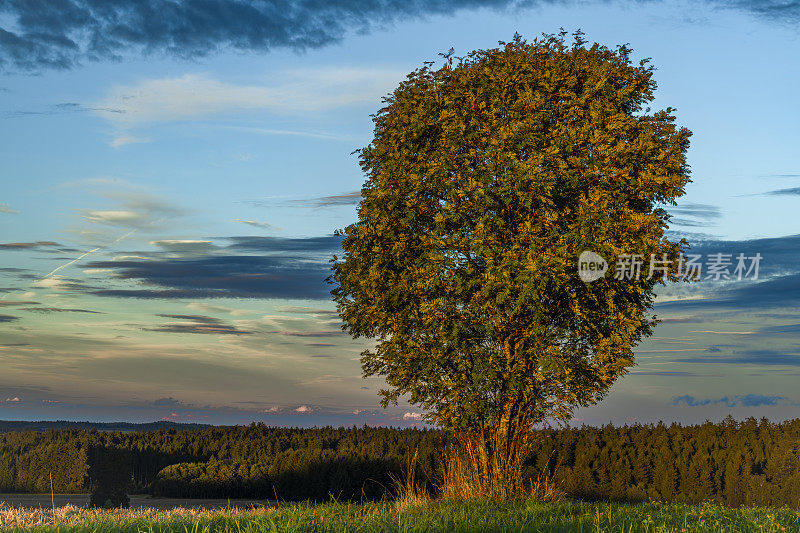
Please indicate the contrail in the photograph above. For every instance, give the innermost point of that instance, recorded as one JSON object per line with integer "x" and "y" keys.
{"x": 87, "y": 253}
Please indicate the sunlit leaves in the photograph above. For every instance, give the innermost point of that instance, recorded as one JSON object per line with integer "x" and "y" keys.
{"x": 486, "y": 178}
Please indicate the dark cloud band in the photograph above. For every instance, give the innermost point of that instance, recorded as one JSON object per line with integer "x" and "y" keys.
{"x": 42, "y": 34}
{"x": 222, "y": 277}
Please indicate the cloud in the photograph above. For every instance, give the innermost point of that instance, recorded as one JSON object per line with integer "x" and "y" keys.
{"x": 123, "y": 140}
{"x": 208, "y": 308}
{"x": 294, "y": 309}
{"x": 759, "y": 357}
{"x": 197, "y": 324}
{"x": 292, "y": 133}
{"x": 756, "y": 400}
{"x": 701, "y": 215}
{"x": 724, "y": 332}
{"x": 27, "y": 245}
{"x": 58, "y": 283}
{"x": 57, "y": 310}
{"x": 747, "y": 400}
{"x": 15, "y": 399}
{"x": 351, "y": 198}
{"x": 134, "y": 210}
{"x": 772, "y": 10}
{"x": 791, "y": 330}
{"x": 778, "y": 284}
{"x": 8, "y": 318}
{"x": 329, "y": 243}
{"x": 681, "y": 320}
{"x": 70, "y": 32}
{"x": 412, "y": 416}
{"x": 192, "y": 96}
{"x": 73, "y": 31}
{"x": 184, "y": 245}
{"x": 327, "y": 333}
{"x": 793, "y": 191}
{"x": 257, "y": 224}
{"x": 336, "y": 200}
{"x": 6, "y": 209}
{"x": 115, "y": 218}
{"x": 9, "y": 303}
{"x": 667, "y": 373}
{"x": 234, "y": 276}
{"x": 304, "y": 409}
{"x": 168, "y": 402}
{"x": 60, "y": 109}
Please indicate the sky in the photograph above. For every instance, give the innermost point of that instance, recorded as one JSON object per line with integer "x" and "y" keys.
{"x": 172, "y": 174}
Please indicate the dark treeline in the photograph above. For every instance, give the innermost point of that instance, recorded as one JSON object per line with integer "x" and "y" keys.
{"x": 225, "y": 462}
{"x": 731, "y": 463}
{"x": 750, "y": 462}
{"x": 24, "y": 425}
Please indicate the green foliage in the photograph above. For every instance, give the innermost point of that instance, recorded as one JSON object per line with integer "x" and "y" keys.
{"x": 486, "y": 178}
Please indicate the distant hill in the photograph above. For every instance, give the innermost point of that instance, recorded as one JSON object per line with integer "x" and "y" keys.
{"x": 7, "y": 426}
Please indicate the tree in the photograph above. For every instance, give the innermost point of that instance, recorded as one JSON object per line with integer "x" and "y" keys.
{"x": 486, "y": 178}
{"x": 112, "y": 477}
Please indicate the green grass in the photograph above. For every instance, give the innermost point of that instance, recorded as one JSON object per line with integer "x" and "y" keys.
{"x": 566, "y": 516}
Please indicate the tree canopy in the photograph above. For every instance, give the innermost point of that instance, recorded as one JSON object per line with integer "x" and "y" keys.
{"x": 486, "y": 178}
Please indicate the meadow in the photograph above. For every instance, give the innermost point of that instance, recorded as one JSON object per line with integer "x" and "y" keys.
{"x": 474, "y": 516}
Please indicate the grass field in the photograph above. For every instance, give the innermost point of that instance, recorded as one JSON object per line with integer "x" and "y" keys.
{"x": 562, "y": 516}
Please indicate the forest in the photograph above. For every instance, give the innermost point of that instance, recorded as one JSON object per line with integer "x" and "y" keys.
{"x": 732, "y": 463}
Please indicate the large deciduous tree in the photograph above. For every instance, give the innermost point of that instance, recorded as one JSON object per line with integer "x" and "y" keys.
{"x": 486, "y": 178}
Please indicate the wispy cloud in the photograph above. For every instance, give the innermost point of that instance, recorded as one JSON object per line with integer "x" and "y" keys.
{"x": 135, "y": 211}
{"x": 257, "y": 224}
{"x": 760, "y": 357}
{"x": 694, "y": 215}
{"x": 27, "y": 245}
{"x": 792, "y": 191}
{"x": 195, "y": 324}
{"x": 747, "y": 400}
{"x": 192, "y": 246}
{"x": 57, "y": 310}
{"x": 6, "y": 209}
{"x": 60, "y": 109}
{"x": 351, "y": 198}
{"x": 193, "y": 96}
{"x": 336, "y": 200}
{"x": 724, "y": 332}
{"x": 328, "y": 243}
{"x": 48, "y": 277}
{"x": 123, "y": 140}
{"x": 291, "y": 133}
{"x": 209, "y": 308}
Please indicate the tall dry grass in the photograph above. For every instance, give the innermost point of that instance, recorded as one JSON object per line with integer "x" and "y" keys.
{"x": 470, "y": 472}
{"x": 22, "y": 517}
{"x": 408, "y": 491}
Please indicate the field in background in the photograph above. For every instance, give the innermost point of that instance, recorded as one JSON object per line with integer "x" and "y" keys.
{"x": 564, "y": 516}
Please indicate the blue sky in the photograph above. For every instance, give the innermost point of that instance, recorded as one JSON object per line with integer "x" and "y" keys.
{"x": 171, "y": 183}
